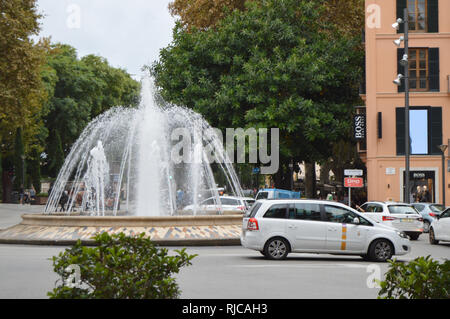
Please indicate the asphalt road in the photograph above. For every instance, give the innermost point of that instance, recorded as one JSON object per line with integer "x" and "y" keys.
{"x": 229, "y": 272}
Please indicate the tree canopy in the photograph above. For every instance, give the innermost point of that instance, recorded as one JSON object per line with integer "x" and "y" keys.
{"x": 21, "y": 62}
{"x": 81, "y": 90}
{"x": 275, "y": 64}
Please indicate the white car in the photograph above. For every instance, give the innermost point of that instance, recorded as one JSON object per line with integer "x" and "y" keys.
{"x": 228, "y": 204}
{"x": 440, "y": 228}
{"x": 278, "y": 227}
{"x": 401, "y": 216}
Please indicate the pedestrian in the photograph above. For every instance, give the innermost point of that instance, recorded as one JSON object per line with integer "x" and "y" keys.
{"x": 21, "y": 194}
{"x": 63, "y": 200}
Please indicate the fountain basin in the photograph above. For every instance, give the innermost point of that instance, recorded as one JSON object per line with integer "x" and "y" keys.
{"x": 199, "y": 230}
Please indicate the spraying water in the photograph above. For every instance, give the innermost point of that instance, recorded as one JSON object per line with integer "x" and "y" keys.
{"x": 124, "y": 161}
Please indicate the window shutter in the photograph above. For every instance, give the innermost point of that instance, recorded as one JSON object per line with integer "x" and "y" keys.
{"x": 400, "y": 130}
{"x": 435, "y": 133}
{"x": 433, "y": 16}
{"x": 400, "y": 69}
{"x": 433, "y": 69}
{"x": 401, "y": 5}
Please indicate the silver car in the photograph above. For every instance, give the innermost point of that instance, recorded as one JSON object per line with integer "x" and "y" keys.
{"x": 401, "y": 216}
{"x": 429, "y": 212}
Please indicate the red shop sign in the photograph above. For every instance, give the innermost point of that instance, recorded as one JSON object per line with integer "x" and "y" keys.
{"x": 353, "y": 182}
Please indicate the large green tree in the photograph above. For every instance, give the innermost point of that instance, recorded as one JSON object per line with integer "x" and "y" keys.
{"x": 275, "y": 64}
{"x": 80, "y": 89}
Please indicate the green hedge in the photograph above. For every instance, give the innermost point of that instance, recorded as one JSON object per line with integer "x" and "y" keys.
{"x": 421, "y": 278}
{"x": 122, "y": 267}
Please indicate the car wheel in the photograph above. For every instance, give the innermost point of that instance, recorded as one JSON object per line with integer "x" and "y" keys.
{"x": 381, "y": 250}
{"x": 414, "y": 236}
{"x": 426, "y": 226}
{"x": 433, "y": 240}
{"x": 276, "y": 248}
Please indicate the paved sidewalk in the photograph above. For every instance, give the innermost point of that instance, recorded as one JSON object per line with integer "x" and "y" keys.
{"x": 10, "y": 213}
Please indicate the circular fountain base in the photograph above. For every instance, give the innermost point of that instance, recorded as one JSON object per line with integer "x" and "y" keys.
{"x": 204, "y": 230}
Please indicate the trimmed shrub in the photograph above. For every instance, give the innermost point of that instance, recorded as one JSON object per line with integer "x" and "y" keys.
{"x": 119, "y": 267}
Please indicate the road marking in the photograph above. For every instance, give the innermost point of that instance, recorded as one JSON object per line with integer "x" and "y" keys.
{"x": 355, "y": 266}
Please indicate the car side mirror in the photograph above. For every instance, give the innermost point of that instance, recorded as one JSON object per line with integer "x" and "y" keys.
{"x": 356, "y": 221}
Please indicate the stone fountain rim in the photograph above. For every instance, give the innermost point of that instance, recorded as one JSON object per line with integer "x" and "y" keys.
{"x": 42, "y": 219}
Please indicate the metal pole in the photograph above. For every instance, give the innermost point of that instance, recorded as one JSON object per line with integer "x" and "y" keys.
{"x": 443, "y": 178}
{"x": 350, "y": 197}
{"x": 407, "y": 137}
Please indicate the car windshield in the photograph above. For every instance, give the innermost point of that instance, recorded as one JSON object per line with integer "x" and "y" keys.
{"x": 436, "y": 208}
{"x": 262, "y": 195}
{"x": 401, "y": 209}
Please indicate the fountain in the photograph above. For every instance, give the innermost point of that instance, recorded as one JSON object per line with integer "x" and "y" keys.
{"x": 133, "y": 170}
{"x": 128, "y": 158}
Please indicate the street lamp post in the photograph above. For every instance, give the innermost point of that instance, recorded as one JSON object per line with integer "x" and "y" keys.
{"x": 405, "y": 77}
{"x": 443, "y": 148}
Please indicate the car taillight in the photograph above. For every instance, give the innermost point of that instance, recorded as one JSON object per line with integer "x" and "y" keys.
{"x": 241, "y": 208}
{"x": 252, "y": 224}
{"x": 432, "y": 214}
{"x": 388, "y": 218}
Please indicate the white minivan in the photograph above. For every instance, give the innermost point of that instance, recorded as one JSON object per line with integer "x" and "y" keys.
{"x": 278, "y": 227}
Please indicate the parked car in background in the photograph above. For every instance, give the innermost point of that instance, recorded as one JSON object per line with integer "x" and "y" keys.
{"x": 275, "y": 193}
{"x": 279, "y": 227}
{"x": 228, "y": 204}
{"x": 429, "y": 212}
{"x": 401, "y": 216}
{"x": 440, "y": 228}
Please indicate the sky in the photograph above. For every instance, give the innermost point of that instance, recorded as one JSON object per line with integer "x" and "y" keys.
{"x": 129, "y": 34}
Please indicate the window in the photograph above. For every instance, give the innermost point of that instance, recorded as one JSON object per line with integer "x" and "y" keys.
{"x": 423, "y": 69}
{"x": 341, "y": 215}
{"x": 209, "y": 201}
{"x": 399, "y": 209}
{"x": 418, "y": 131}
{"x": 305, "y": 212}
{"x": 445, "y": 214}
{"x": 373, "y": 208}
{"x": 229, "y": 201}
{"x": 417, "y": 12}
{"x": 418, "y": 69}
{"x": 276, "y": 211}
{"x": 423, "y": 15}
{"x": 436, "y": 208}
{"x": 425, "y": 130}
{"x": 262, "y": 195}
{"x": 419, "y": 207}
{"x": 254, "y": 209}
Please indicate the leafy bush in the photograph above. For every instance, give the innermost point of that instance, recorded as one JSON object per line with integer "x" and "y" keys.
{"x": 421, "y": 278}
{"x": 118, "y": 267}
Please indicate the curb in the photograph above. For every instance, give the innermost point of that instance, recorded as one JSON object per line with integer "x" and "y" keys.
{"x": 168, "y": 243}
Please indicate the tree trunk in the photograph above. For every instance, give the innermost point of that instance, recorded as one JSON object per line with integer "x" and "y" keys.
{"x": 310, "y": 180}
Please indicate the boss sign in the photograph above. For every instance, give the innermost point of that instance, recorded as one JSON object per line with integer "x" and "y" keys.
{"x": 359, "y": 126}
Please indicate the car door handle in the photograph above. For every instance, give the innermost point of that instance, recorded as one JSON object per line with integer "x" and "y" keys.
{"x": 292, "y": 227}
{"x": 332, "y": 229}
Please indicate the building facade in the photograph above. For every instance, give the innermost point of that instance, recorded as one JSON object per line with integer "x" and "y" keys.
{"x": 429, "y": 100}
